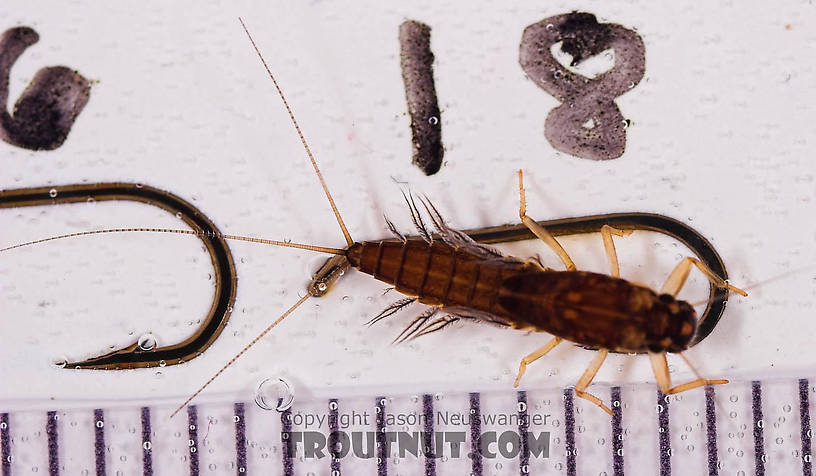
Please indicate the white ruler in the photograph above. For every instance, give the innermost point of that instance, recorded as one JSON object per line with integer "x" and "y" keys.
{"x": 743, "y": 428}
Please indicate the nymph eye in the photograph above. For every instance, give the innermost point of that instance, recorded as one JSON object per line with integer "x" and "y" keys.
{"x": 666, "y": 298}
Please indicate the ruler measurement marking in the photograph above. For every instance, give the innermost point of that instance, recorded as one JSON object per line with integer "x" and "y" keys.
{"x": 617, "y": 431}
{"x": 240, "y": 438}
{"x": 664, "y": 442}
{"x": 711, "y": 430}
{"x": 524, "y": 426}
{"x": 192, "y": 427}
{"x": 147, "y": 445}
{"x": 432, "y": 448}
{"x": 99, "y": 441}
{"x": 804, "y": 417}
{"x": 569, "y": 430}
{"x": 287, "y": 446}
{"x": 428, "y": 435}
{"x": 759, "y": 438}
{"x": 382, "y": 457}
{"x": 5, "y": 443}
{"x": 53, "y": 443}
{"x": 334, "y": 427}
{"x": 475, "y": 434}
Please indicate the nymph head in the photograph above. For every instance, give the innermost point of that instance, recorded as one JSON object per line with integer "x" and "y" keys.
{"x": 679, "y": 324}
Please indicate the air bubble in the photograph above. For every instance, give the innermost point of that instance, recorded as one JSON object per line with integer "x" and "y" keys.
{"x": 147, "y": 342}
{"x": 275, "y": 393}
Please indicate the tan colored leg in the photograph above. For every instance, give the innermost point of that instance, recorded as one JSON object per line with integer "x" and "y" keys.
{"x": 612, "y": 255}
{"x": 587, "y": 377}
{"x": 661, "y": 371}
{"x": 539, "y": 230}
{"x": 677, "y": 278}
{"x": 529, "y": 359}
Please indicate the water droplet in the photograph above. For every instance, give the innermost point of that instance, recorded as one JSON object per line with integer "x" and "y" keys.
{"x": 100, "y": 423}
{"x": 433, "y": 120}
{"x": 52, "y": 193}
{"x": 147, "y": 342}
{"x": 147, "y": 445}
{"x": 162, "y": 363}
{"x": 733, "y": 398}
{"x": 322, "y": 287}
{"x": 275, "y": 393}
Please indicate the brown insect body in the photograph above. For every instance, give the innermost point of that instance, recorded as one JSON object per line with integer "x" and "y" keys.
{"x": 467, "y": 280}
{"x": 598, "y": 310}
{"x": 589, "y": 309}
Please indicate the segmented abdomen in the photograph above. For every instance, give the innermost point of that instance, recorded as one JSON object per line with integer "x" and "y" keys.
{"x": 437, "y": 274}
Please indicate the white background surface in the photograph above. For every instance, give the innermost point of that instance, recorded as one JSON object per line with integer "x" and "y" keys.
{"x": 722, "y": 137}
